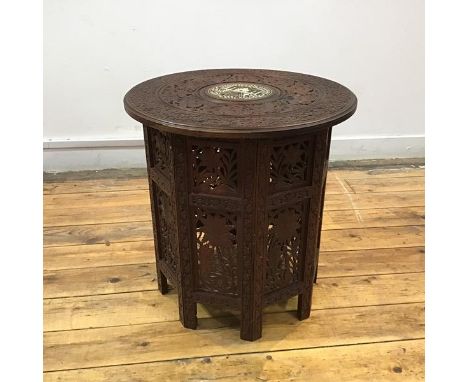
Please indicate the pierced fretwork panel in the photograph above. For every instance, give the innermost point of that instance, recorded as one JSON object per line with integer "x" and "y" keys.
{"x": 285, "y": 246}
{"x": 160, "y": 151}
{"x": 214, "y": 169}
{"x": 288, "y": 165}
{"x": 216, "y": 252}
{"x": 166, "y": 228}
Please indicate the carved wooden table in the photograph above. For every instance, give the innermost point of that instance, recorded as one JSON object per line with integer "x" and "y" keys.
{"x": 237, "y": 163}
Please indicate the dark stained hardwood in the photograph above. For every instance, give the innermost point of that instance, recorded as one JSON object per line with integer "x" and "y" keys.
{"x": 237, "y": 162}
{"x": 178, "y": 103}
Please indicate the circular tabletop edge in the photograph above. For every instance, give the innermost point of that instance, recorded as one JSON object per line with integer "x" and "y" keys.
{"x": 248, "y": 132}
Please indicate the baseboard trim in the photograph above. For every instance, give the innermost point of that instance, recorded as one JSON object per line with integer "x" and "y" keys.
{"x": 60, "y": 144}
{"x": 97, "y": 154}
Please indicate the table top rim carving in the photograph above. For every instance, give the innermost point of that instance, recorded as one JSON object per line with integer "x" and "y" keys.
{"x": 177, "y": 103}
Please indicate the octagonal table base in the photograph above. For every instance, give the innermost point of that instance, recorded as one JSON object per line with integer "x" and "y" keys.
{"x": 237, "y": 222}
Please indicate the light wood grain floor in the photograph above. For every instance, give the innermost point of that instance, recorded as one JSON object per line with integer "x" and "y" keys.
{"x": 105, "y": 321}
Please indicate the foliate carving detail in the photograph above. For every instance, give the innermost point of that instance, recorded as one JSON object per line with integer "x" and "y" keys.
{"x": 285, "y": 237}
{"x": 288, "y": 165}
{"x": 216, "y": 202}
{"x": 214, "y": 169}
{"x": 216, "y": 248}
{"x": 166, "y": 227}
{"x": 290, "y": 196}
{"x": 161, "y": 152}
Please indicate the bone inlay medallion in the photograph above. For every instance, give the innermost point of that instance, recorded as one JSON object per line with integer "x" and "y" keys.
{"x": 240, "y": 91}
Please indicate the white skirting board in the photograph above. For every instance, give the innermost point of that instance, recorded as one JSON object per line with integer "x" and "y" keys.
{"x": 99, "y": 154}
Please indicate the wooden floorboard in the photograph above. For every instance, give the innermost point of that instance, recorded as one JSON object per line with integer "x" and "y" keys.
{"x": 104, "y": 233}
{"x": 104, "y": 320}
{"x": 358, "y": 186}
{"x": 371, "y": 261}
{"x": 220, "y": 336}
{"x": 375, "y": 173}
{"x": 142, "y": 230}
{"x": 368, "y": 238}
{"x": 98, "y": 280}
{"x": 332, "y": 263}
{"x": 99, "y": 255}
{"x": 372, "y": 200}
{"x": 123, "y": 199}
{"x": 67, "y": 216}
{"x": 384, "y": 361}
{"x": 335, "y": 185}
{"x": 135, "y": 277}
{"x": 147, "y": 306}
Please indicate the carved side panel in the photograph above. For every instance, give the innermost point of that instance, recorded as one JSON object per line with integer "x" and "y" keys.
{"x": 285, "y": 246}
{"x": 166, "y": 228}
{"x": 289, "y": 180}
{"x": 214, "y": 169}
{"x": 215, "y": 201}
{"x": 160, "y": 155}
{"x": 160, "y": 162}
{"x": 289, "y": 165}
{"x": 216, "y": 252}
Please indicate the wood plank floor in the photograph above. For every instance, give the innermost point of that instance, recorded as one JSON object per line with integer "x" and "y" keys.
{"x": 104, "y": 320}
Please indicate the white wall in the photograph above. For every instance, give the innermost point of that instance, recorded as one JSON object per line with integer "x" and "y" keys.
{"x": 95, "y": 50}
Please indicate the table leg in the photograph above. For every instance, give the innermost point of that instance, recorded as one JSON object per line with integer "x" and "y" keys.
{"x": 251, "y": 328}
{"x": 162, "y": 282}
{"x": 185, "y": 284}
{"x": 187, "y": 311}
{"x": 309, "y": 271}
{"x": 325, "y": 171}
{"x": 161, "y": 278}
{"x": 255, "y": 167}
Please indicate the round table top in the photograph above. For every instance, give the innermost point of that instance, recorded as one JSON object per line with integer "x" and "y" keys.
{"x": 239, "y": 103}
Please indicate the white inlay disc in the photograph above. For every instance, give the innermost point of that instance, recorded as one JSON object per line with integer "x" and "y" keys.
{"x": 239, "y": 91}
